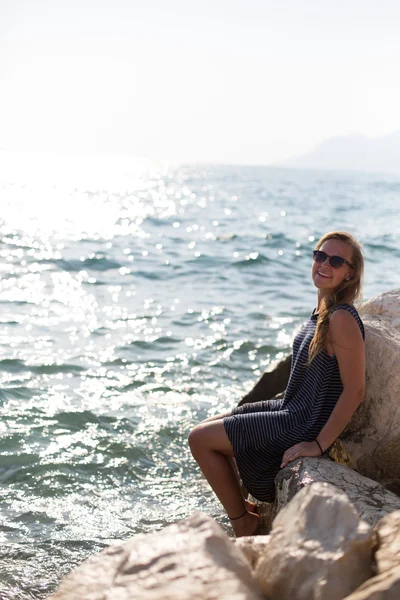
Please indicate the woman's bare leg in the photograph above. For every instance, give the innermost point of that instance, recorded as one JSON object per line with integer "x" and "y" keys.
{"x": 251, "y": 506}
{"x": 212, "y": 450}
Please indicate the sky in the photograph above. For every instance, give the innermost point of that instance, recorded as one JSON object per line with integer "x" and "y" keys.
{"x": 217, "y": 81}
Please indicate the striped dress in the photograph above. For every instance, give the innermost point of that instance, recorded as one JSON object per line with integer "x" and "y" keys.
{"x": 261, "y": 432}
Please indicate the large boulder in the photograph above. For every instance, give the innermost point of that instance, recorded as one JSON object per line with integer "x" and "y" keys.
{"x": 371, "y": 442}
{"x": 190, "y": 560}
{"x": 318, "y": 548}
{"x": 385, "y": 585}
{"x": 386, "y": 305}
{"x": 370, "y": 498}
{"x": 271, "y": 384}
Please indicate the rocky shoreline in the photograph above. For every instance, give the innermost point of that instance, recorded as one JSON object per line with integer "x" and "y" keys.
{"x": 332, "y": 533}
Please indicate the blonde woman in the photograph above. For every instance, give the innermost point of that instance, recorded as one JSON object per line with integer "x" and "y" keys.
{"x": 326, "y": 385}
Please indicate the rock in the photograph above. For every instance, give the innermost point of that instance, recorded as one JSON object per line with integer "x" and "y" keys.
{"x": 252, "y": 547}
{"x": 385, "y": 305}
{"x": 190, "y": 560}
{"x": 385, "y": 586}
{"x": 318, "y": 548}
{"x": 370, "y": 498}
{"x": 388, "y": 553}
{"x": 371, "y": 442}
{"x": 271, "y": 383}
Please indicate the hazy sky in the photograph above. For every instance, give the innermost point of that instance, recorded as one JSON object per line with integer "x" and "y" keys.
{"x": 249, "y": 81}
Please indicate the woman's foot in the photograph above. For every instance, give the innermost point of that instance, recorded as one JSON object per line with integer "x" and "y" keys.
{"x": 246, "y": 525}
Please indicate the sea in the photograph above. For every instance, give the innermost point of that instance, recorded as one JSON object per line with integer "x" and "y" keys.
{"x": 136, "y": 299}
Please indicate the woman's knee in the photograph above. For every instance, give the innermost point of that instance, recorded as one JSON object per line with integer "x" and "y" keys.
{"x": 209, "y": 436}
{"x": 195, "y": 437}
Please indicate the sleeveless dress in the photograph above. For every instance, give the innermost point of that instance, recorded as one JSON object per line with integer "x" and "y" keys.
{"x": 261, "y": 432}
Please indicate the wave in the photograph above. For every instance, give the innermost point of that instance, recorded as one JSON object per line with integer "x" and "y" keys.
{"x": 94, "y": 264}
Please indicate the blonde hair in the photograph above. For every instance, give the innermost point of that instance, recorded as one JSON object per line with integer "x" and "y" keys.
{"x": 347, "y": 292}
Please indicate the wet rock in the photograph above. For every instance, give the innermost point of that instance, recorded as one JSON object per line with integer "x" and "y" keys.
{"x": 190, "y": 560}
{"x": 318, "y": 548}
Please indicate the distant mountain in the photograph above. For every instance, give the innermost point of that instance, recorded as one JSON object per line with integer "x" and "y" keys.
{"x": 353, "y": 153}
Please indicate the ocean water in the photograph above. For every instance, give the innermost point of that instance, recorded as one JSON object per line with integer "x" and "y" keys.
{"x": 135, "y": 300}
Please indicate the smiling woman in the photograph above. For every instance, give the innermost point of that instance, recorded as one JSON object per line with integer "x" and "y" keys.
{"x": 325, "y": 387}
{"x": 337, "y": 273}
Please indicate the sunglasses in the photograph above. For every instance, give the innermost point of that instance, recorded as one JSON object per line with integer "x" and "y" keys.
{"x": 335, "y": 261}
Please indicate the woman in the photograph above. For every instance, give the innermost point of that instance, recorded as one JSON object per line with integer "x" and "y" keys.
{"x": 325, "y": 387}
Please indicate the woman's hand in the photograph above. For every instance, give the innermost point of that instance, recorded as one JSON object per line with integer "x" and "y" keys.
{"x": 303, "y": 449}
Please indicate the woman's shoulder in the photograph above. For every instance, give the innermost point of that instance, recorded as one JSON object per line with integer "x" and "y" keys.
{"x": 344, "y": 313}
{"x": 347, "y": 307}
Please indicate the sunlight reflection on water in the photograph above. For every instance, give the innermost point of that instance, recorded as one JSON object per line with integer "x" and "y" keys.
{"x": 136, "y": 300}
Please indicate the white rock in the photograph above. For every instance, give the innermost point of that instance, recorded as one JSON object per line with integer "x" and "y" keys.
{"x": 190, "y": 560}
{"x": 388, "y": 553}
{"x": 385, "y": 586}
{"x": 318, "y": 549}
{"x": 253, "y": 547}
{"x": 371, "y": 441}
{"x": 385, "y": 305}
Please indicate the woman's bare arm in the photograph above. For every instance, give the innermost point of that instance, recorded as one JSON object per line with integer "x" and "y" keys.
{"x": 348, "y": 346}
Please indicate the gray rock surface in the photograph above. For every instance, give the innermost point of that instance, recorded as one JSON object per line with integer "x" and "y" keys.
{"x": 190, "y": 560}
{"x": 370, "y": 498}
{"x": 318, "y": 548}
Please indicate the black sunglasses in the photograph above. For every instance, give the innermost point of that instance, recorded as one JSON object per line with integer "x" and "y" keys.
{"x": 335, "y": 261}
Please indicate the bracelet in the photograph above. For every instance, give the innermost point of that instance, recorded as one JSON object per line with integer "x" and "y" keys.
{"x": 319, "y": 446}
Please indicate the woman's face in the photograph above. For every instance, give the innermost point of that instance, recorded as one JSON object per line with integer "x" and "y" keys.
{"x": 324, "y": 276}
